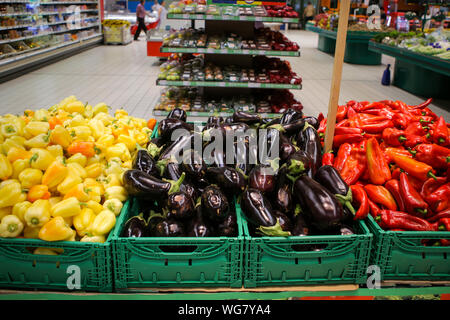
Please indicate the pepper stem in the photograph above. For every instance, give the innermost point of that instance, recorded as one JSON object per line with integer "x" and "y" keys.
{"x": 12, "y": 227}
{"x": 431, "y": 175}
{"x": 441, "y": 140}
{"x": 307, "y": 125}
{"x": 34, "y": 221}
{"x": 176, "y": 184}
{"x": 422, "y": 211}
{"x": 402, "y": 138}
{"x": 441, "y": 228}
{"x": 274, "y": 231}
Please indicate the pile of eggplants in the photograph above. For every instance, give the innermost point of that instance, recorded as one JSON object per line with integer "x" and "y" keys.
{"x": 291, "y": 195}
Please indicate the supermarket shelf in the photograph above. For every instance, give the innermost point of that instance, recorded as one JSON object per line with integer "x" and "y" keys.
{"x": 42, "y": 13}
{"x": 47, "y": 34}
{"x": 41, "y": 25}
{"x": 228, "y": 84}
{"x": 185, "y": 16}
{"x": 233, "y": 51}
{"x": 68, "y": 2}
{"x": 207, "y": 114}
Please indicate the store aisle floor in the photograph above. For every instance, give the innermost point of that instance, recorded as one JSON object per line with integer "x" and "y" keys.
{"x": 124, "y": 77}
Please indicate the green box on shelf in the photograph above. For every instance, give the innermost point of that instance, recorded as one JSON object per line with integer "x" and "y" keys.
{"x": 402, "y": 256}
{"x": 150, "y": 262}
{"x": 274, "y": 261}
{"x": 21, "y": 269}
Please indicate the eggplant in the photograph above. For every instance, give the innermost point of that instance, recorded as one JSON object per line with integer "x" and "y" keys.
{"x": 193, "y": 165}
{"x": 169, "y": 228}
{"x": 245, "y": 117}
{"x": 320, "y": 207}
{"x": 180, "y": 205}
{"x": 215, "y": 204}
{"x": 313, "y": 121}
{"x": 283, "y": 198}
{"x": 299, "y": 163}
{"x": 141, "y": 184}
{"x": 259, "y": 213}
{"x": 346, "y": 230}
{"x": 309, "y": 141}
{"x": 228, "y": 120}
{"x": 285, "y": 222}
{"x": 177, "y": 113}
{"x": 227, "y": 178}
{"x": 228, "y": 228}
{"x": 214, "y": 120}
{"x": 241, "y": 154}
{"x": 167, "y": 126}
{"x": 158, "y": 142}
{"x": 271, "y": 122}
{"x": 144, "y": 161}
{"x": 135, "y": 227}
{"x": 290, "y": 115}
{"x": 173, "y": 172}
{"x": 290, "y": 128}
{"x": 199, "y": 227}
{"x": 300, "y": 226}
{"x": 262, "y": 178}
{"x": 176, "y": 149}
{"x": 331, "y": 179}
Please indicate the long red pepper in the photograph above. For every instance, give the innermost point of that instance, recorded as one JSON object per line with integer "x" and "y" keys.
{"x": 328, "y": 159}
{"x": 440, "y": 135}
{"x": 414, "y": 204}
{"x": 376, "y": 163}
{"x": 347, "y": 130}
{"x": 374, "y": 209}
{"x": 415, "y": 168}
{"x": 380, "y": 195}
{"x": 436, "y": 156}
{"x": 343, "y": 153}
{"x": 391, "y": 219}
{"x": 444, "y": 224}
{"x": 377, "y": 127}
{"x": 360, "y": 197}
{"x": 440, "y": 215}
{"x": 422, "y": 105}
{"x": 350, "y": 138}
{"x": 354, "y": 167}
{"x": 394, "y": 188}
{"x": 439, "y": 199}
{"x": 431, "y": 185}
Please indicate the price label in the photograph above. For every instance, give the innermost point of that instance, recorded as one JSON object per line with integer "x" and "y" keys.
{"x": 201, "y": 50}
{"x": 186, "y": 83}
{"x": 163, "y": 82}
{"x": 245, "y": 51}
{"x": 199, "y": 16}
{"x": 223, "y": 51}
{"x": 210, "y": 50}
{"x": 194, "y": 113}
{"x": 225, "y": 17}
{"x": 254, "y": 85}
{"x": 209, "y": 17}
{"x": 185, "y": 16}
{"x": 221, "y": 84}
{"x": 258, "y": 18}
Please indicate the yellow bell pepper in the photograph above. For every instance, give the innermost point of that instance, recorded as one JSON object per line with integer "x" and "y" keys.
{"x": 41, "y": 115}
{"x": 118, "y": 150}
{"x": 37, "y": 192}
{"x": 5, "y": 212}
{"x": 55, "y": 230}
{"x": 120, "y": 113}
{"x": 127, "y": 164}
{"x": 10, "y": 227}
{"x": 83, "y": 221}
{"x": 69, "y": 221}
{"x": 79, "y": 158}
{"x": 20, "y": 208}
{"x": 88, "y": 112}
{"x": 10, "y": 194}
{"x": 30, "y": 177}
{"x": 81, "y": 133}
{"x": 45, "y": 251}
{"x": 38, "y": 213}
{"x": 5, "y": 168}
{"x": 114, "y": 167}
{"x": 93, "y": 170}
{"x": 87, "y": 238}
{"x": 76, "y": 106}
{"x": 78, "y": 120}
{"x": 100, "y": 107}
{"x": 55, "y": 174}
{"x": 78, "y": 169}
{"x": 113, "y": 205}
{"x": 103, "y": 223}
{"x": 94, "y": 185}
{"x": 67, "y": 208}
{"x": 15, "y": 153}
{"x": 54, "y": 200}
{"x": 95, "y": 206}
{"x": 56, "y": 150}
{"x": 79, "y": 192}
{"x": 41, "y": 159}
{"x": 97, "y": 128}
{"x": 105, "y": 141}
{"x": 141, "y": 138}
{"x": 71, "y": 180}
{"x": 60, "y": 136}
{"x": 116, "y": 192}
{"x": 18, "y": 166}
{"x": 9, "y": 129}
{"x": 40, "y": 141}
{"x": 128, "y": 141}
{"x": 31, "y": 233}
{"x": 112, "y": 180}
{"x": 95, "y": 159}
{"x": 33, "y": 128}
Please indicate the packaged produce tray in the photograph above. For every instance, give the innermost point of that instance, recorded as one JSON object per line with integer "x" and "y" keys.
{"x": 84, "y": 266}
{"x": 162, "y": 262}
{"x": 402, "y": 256}
{"x": 283, "y": 261}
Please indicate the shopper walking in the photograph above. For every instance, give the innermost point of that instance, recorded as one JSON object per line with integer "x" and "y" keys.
{"x": 162, "y": 13}
{"x": 309, "y": 12}
{"x": 140, "y": 18}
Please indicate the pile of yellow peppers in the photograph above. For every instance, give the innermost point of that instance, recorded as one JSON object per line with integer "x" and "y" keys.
{"x": 61, "y": 170}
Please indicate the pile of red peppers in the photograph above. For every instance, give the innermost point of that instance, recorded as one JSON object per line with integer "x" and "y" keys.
{"x": 396, "y": 159}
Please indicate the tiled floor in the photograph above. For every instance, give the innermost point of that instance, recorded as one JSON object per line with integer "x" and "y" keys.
{"x": 124, "y": 77}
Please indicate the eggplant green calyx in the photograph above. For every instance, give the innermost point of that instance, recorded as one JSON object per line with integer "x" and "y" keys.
{"x": 274, "y": 231}
{"x": 153, "y": 150}
{"x": 296, "y": 167}
{"x": 307, "y": 125}
{"x": 274, "y": 164}
{"x": 347, "y": 200}
{"x": 278, "y": 127}
{"x": 175, "y": 185}
{"x": 298, "y": 210}
{"x": 292, "y": 178}
{"x": 242, "y": 172}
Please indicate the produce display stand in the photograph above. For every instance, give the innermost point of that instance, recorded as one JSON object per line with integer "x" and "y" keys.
{"x": 357, "y": 50}
{"x": 417, "y": 73}
{"x": 241, "y": 25}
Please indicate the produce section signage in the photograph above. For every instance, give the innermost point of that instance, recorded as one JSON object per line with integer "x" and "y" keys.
{"x": 247, "y": 2}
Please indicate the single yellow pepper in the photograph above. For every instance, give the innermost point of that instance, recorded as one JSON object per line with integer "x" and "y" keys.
{"x": 11, "y": 193}
{"x": 55, "y": 230}
{"x": 60, "y": 136}
{"x": 83, "y": 221}
{"x": 78, "y": 158}
{"x": 38, "y": 213}
{"x": 113, "y": 205}
{"x": 103, "y": 223}
{"x": 116, "y": 192}
{"x": 42, "y": 140}
{"x": 30, "y": 177}
{"x": 71, "y": 180}
{"x": 80, "y": 192}
{"x": 66, "y": 208}
{"x": 95, "y": 206}
{"x": 33, "y": 128}
{"x": 80, "y": 171}
{"x": 10, "y": 226}
{"x": 6, "y": 169}
{"x": 18, "y": 166}
{"x": 20, "y": 208}
{"x": 41, "y": 159}
{"x": 55, "y": 174}
{"x": 16, "y": 153}
{"x": 56, "y": 150}
{"x": 93, "y": 170}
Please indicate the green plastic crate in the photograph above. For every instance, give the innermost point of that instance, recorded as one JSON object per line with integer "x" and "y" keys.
{"x": 147, "y": 263}
{"x": 274, "y": 261}
{"x": 21, "y": 269}
{"x": 401, "y": 255}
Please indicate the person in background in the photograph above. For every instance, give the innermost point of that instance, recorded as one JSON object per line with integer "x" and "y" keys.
{"x": 162, "y": 13}
{"x": 309, "y": 12}
{"x": 140, "y": 18}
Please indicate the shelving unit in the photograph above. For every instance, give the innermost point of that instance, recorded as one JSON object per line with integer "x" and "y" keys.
{"x": 243, "y": 26}
{"x": 41, "y": 27}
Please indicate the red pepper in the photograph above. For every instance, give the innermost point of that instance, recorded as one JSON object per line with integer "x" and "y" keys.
{"x": 373, "y": 105}
{"x": 413, "y": 141}
{"x": 414, "y": 204}
{"x": 415, "y": 168}
{"x": 439, "y": 199}
{"x": 436, "y": 156}
{"x": 401, "y": 120}
{"x": 415, "y": 129}
{"x": 440, "y": 135}
{"x": 320, "y": 117}
{"x": 393, "y": 137}
{"x": 322, "y": 126}
{"x": 376, "y": 163}
{"x": 354, "y": 167}
{"x": 347, "y": 130}
{"x": 390, "y": 150}
{"x": 374, "y": 209}
{"x": 343, "y": 123}
{"x": 440, "y": 215}
{"x": 341, "y": 113}
{"x": 444, "y": 242}
{"x": 386, "y": 113}
{"x": 351, "y": 113}
{"x": 360, "y": 196}
{"x": 376, "y": 127}
{"x": 444, "y": 224}
{"x": 422, "y": 105}
{"x": 393, "y": 187}
{"x": 328, "y": 158}
{"x": 343, "y": 138}
{"x": 431, "y": 185}
{"x": 381, "y": 195}
{"x": 391, "y": 219}
{"x": 342, "y": 155}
